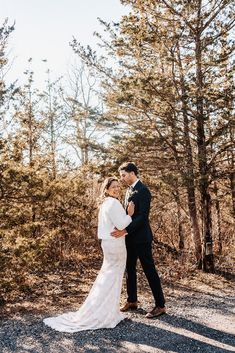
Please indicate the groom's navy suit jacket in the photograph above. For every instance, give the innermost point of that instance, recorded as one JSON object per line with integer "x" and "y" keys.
{"x": 139, "y": 230}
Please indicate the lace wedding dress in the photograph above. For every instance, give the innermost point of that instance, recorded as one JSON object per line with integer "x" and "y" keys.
{"x": 101, "y": 307}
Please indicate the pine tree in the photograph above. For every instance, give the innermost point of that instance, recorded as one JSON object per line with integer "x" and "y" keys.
{"x": 166, "y": 86}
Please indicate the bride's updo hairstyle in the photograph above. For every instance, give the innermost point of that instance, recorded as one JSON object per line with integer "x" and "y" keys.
{"x": 105, "y": 186}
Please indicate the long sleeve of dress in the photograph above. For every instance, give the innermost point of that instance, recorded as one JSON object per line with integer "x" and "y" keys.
{"x": 117, "y": 215}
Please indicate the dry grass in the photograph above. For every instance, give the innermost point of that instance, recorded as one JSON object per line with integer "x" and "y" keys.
{"x": 65, "y": 288}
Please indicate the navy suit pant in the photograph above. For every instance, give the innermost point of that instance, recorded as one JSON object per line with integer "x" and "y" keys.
{"x": 143, "y": 251}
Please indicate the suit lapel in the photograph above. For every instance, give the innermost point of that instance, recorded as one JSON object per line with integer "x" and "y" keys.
{"x": 137, "y": 185}
{"x": 136, "y": 188}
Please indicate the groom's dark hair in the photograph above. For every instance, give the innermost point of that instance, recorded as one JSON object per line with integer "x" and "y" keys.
{"x": 128, "y": 167}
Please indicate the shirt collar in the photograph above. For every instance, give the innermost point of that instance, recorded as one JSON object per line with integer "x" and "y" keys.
{"x": 134, "y": 184}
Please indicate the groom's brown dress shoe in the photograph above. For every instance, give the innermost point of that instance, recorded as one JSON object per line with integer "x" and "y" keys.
{"x": 157, "y": 311}
{"x": 129, "y": 306}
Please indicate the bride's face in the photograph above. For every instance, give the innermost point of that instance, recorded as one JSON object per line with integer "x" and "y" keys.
{"x": 114, "y": 189}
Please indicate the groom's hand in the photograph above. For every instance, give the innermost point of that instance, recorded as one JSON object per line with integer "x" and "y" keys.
{"x": 118, "y": 233}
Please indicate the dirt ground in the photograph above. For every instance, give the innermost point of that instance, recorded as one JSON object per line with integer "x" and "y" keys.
{"x": 200, "y": 317}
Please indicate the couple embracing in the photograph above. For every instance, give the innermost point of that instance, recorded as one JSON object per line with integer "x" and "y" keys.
{"x": 126, "y": 236}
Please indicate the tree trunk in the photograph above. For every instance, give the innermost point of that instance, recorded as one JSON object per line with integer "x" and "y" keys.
{"x": 52, "y": 132}
{"x": 218, "y": 216}
{"x": 232, "y": 173}
{"x": 176, "y": 193}
{"x": 31, "y": 156}
{"x": 189, "y": 175}
{"x": 232, "y": 184}
{"x": 207, "y": 255}
{"x": 179, "y": 218}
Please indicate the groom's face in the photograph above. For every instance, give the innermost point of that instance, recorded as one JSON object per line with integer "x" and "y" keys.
{"x": 126, "y": 177}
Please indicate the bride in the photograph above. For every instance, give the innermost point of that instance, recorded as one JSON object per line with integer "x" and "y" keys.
{"x": 101, "y": 307}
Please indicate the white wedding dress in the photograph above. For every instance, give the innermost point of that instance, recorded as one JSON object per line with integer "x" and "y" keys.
{"x": 101, "y": 307}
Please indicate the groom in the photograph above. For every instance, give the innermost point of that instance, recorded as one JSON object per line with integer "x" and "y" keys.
{"x": 138, "y": 242}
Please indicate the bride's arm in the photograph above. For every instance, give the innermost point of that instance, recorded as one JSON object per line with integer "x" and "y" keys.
{"x": 118, "y": 215}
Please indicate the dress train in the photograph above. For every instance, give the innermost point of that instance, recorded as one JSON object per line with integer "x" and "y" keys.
{"x": 101, "y": 307}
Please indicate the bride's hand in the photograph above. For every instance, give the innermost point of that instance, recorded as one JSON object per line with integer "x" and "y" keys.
{"x": 131, "y": 208}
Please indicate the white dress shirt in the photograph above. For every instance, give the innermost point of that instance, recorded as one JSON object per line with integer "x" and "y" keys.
{"x": 129, "y": 191}
{"x": 111, "y": 215}
{"x": 134, "y": 184}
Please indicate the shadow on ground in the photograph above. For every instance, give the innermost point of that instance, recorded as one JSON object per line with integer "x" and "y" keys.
{"x": 170, "y": 333}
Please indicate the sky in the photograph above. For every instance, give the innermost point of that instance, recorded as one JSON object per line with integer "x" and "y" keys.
{"x": 44, "y": 28}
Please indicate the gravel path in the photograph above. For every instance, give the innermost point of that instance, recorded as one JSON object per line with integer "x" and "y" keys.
{"x": 196, "y": 322}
